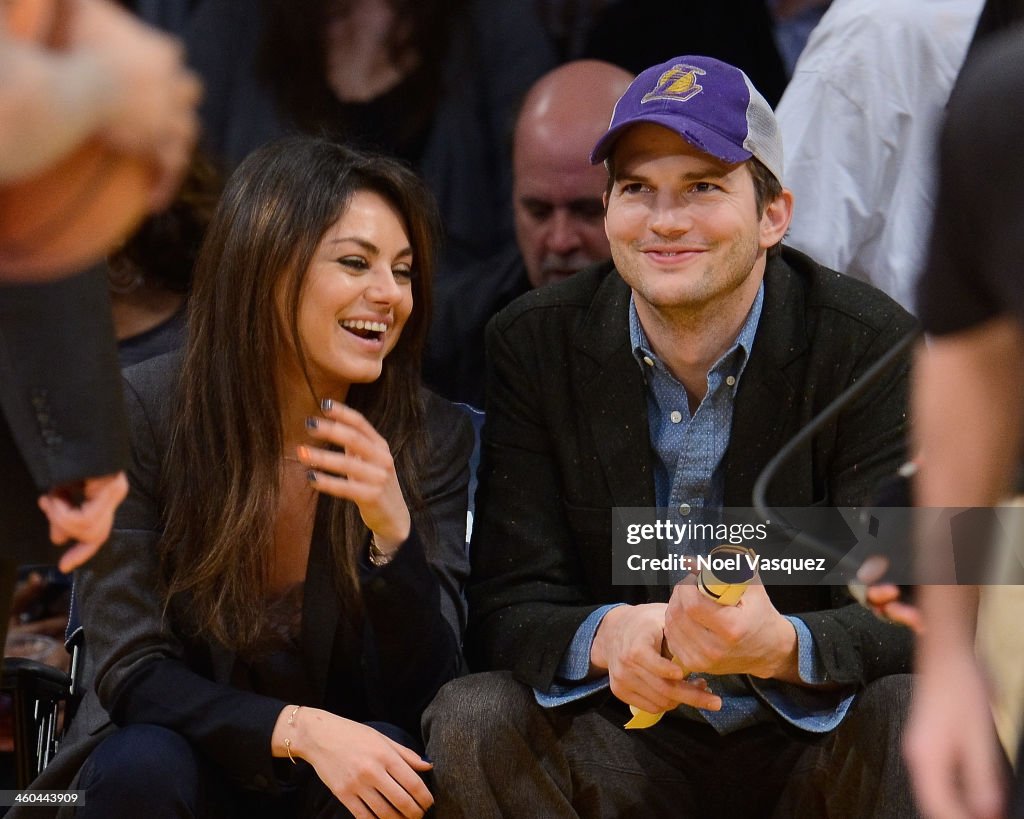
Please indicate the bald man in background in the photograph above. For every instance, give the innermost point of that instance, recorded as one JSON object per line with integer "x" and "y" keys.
{"x": 556, "y": 192}
{"x": 559, "y": 219}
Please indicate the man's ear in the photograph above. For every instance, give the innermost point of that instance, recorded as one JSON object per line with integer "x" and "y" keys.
{"x": 776, "y": 218}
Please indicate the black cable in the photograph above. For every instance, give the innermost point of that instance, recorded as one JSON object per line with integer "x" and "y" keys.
{"x": 766, "y": 512}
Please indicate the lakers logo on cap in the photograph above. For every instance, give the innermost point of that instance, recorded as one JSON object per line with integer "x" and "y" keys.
{"x": 678, "y": 83}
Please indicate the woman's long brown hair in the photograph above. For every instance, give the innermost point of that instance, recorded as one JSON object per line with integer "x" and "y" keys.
{"x": 221, "y": 476}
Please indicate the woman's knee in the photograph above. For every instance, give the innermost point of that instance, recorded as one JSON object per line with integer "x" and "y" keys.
{"x": 142, "y": 770}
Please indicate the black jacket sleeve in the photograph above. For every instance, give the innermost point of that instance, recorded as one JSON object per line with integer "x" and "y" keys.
{"x": 414, "y": 606}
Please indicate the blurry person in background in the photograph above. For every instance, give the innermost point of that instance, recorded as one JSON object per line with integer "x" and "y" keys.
{"x": 556, "y": 192}
{"x": 432, "y": 82}
{"x": 150, "y": 276}
{"x": 61, "y": 433}
{"x": 858, "y": 126}
{"x": 559, "y": 219}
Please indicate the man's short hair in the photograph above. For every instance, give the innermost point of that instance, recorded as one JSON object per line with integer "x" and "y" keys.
{"x": 767, "y": 188}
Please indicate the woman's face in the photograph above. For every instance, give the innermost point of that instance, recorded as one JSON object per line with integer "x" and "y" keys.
{"x": 357, "y": 295}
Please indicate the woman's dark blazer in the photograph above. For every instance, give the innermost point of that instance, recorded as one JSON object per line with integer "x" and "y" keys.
{"x": 143, "y": 670}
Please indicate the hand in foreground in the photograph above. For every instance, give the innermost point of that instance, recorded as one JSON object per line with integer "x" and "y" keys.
{"x": 628, "y": 645}
{"x": 884, "y": 599}
{"x": 364, "y": 472}
{"x": 153, "y": 107}
{"x": 951, "y": 746}
{"x": 371, "y": 774}
{"x": 88, "y": 524}
{"x": 748, "y": 638}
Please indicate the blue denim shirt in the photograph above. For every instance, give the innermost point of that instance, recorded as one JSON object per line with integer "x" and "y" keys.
{"x": 689, "y": 483}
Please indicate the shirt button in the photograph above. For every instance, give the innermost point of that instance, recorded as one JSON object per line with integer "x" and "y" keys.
{"x": 648, "y": 361}
{"x": 676, "y": 416}
{"x": 684, "y": 509}
{"x": 730, "y": 380}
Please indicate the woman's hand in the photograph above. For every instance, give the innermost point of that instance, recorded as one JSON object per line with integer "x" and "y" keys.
{"x": 363, "y": 472}
{"x": 371, "y": 774}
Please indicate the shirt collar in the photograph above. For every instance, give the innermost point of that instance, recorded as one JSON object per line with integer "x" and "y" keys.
{"x": 647, "y": 358}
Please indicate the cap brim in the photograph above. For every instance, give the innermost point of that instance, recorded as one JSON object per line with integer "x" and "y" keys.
{"x": 699, "y": 136}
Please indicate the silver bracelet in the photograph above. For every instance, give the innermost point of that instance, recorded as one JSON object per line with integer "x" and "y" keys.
{"x": 379, "y": 558}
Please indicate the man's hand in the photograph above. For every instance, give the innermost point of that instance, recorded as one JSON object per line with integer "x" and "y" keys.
{"x": 153, "y": 108}
{"x": 884, "y": 599}
{"x": 628, "y": 645}
{"x": 748, "y": 638}
{"x": 87, "y": 525}
{"x": 951, "y": 746}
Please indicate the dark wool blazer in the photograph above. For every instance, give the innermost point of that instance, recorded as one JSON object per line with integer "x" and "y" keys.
{"x": 141, "y": 668}
{"x": 567, "y": 439}
{"x": 60, "y": 401}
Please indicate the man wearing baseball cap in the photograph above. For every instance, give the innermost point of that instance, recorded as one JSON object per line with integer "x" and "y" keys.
{"x": 668, "y": 379}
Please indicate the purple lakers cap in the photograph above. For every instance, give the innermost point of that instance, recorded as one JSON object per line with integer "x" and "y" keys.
{"x": 710, "y": 104}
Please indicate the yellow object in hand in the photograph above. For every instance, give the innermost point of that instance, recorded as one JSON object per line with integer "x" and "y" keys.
{"x": 722, "y": 592}
{"x": 642, "y": 719}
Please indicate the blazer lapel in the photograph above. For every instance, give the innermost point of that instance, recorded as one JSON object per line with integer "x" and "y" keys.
{"x": 320, "y": 613}
{"x": 611, "y": 395}
{"x": 757, "y": 431}
{"x": 320, "y": 606}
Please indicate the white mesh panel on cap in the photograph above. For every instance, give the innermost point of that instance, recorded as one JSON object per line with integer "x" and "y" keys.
{"x": 764, "y": 139}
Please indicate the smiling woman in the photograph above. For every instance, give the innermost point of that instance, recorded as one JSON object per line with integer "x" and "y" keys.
{"x": 357, "y": 296}
{"x": 284, "y": 581}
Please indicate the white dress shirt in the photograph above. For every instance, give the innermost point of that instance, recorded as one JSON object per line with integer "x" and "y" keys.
{"x": 859, "y": 121}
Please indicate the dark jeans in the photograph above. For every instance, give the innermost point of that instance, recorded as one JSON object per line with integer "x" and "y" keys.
{"x": 153, "y": 772}
{"x": 497, "y": 753}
